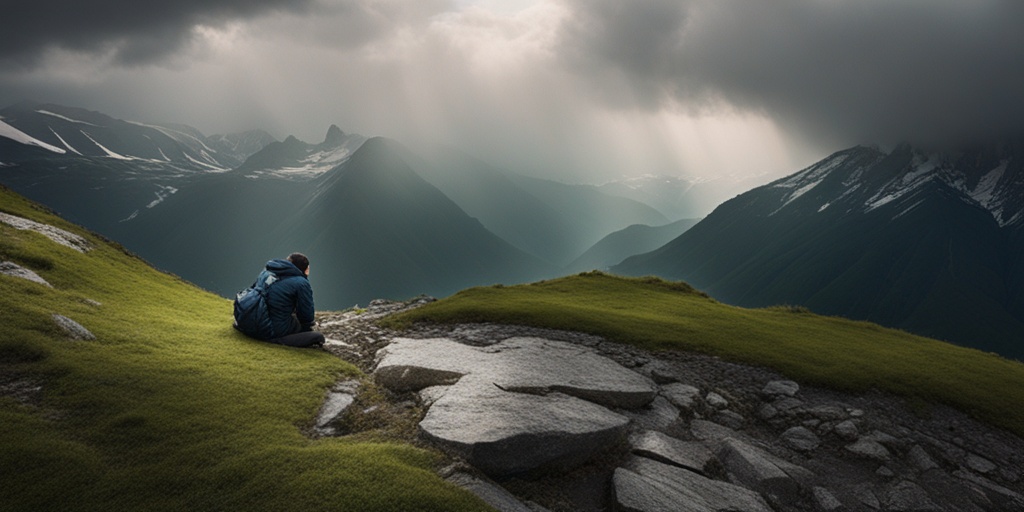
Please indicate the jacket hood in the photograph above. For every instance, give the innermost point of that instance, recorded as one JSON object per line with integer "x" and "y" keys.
{"x": 284, "y": 268}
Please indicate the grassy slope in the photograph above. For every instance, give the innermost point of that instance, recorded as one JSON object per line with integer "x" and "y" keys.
{"x": 170, "y": 408}
{"x": 828, "y": 351}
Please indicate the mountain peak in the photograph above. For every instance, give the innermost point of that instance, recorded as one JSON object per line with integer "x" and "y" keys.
{"x": 335, "y": 137}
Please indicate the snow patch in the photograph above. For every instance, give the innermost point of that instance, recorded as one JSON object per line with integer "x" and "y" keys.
{"x": 984, "y": 192}
{"x": 204, "y": 164}
{"x": 164, "y": 192}
{"x": 58, "y": 116}
{"x": 908, "y": 209}
{"x": 17, "y": 135}
{"x": 163, "y": 154}
{"x": 826, "y": 205}
{"x": 62, "y": 141}
{"x": 109, "y": 153}
{"x": 130, "y": 217}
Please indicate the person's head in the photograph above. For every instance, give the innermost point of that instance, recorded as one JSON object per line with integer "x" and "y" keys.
{"x": 300, "y": 260}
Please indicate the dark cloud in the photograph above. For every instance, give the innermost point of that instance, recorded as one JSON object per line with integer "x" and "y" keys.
{"x": 840, "y": 71}
{"x": 133, "y": 31}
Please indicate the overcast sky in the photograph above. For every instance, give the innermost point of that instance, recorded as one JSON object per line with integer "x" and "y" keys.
{"x": 581, "y": 90}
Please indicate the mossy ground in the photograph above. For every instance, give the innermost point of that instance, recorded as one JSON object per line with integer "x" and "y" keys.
{"x": 812, "y": 349}
{"x": 170, "y": 408}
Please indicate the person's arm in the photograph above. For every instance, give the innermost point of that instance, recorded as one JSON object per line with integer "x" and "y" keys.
{"x": 304, "y": 306}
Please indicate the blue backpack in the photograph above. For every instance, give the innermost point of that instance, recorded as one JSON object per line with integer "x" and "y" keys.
{"x": 251, "y": 314}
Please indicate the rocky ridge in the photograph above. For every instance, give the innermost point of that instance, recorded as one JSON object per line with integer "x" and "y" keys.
{"x": 535, "y": 419}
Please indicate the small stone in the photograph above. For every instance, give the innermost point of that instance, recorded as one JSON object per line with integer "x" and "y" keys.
{"x": 908, "y": 496}
{"x": 846, "y": 430}
{"x": 681, "y": 395}
{"x": 856, "y": 413}
{"x": 920, "y": 459}
{"x": 778, "y": 388}
{"x": 767, "y": 412}
{"x": 730, "y": 419}
{"x": 980, "y": 464}
{"x": 717, "y": 401}
{"x": 825, "y": 500}
{"x": 827, "y": 413}
{"x": 787, "y": 405}
{"x": 73, "y": 329}
{"x": 658, "y": 415}
{"x": 869, "y": 449}
{"x": 867, "y": 498}
{"x": 885, "y": 472}
{"x": 800, "y": 439}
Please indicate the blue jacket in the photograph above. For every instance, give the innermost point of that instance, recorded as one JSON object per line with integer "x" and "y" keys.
{"x": 291, "y": 293}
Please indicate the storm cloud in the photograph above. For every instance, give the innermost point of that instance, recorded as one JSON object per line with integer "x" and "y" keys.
{"x": 582, "y": 90}
{"x": 839, "y": 71}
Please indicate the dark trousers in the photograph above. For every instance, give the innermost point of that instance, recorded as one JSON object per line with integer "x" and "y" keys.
{"x": 300, "y": 337}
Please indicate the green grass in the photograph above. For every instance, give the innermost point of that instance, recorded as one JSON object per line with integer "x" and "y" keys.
{"x": 170, "y": 408}
{"x": 825, "y": 351}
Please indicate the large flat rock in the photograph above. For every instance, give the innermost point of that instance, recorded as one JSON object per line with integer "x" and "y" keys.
{"x": 524, "y": 365}
{"x": 519, "y": 405}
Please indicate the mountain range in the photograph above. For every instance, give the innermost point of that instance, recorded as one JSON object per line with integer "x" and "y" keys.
{"x": 383, "y": 220}
{"x": 927, "y": 241}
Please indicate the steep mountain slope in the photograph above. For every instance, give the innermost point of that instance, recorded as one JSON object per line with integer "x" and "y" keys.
{"x": 96, "y": 170}
{"x": 371, "y": 227}
{"x": 550, "y": 220}
{"x": 635, "y": 239}
{"x": 168, "y": 407}
{"x": 927, "y": 242}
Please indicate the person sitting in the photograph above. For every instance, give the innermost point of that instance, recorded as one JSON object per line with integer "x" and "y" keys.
{"x": 290, "y": 303}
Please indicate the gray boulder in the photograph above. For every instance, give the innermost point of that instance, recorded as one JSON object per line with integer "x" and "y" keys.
{"x": 517, "y": 405}
{"x": 689, "y": 455}
{"x": 846, "y": 430}
{"x": 800, "y": 439}
{"x": 648, "y": 486}
{"x": 825, "y": 500}
{"x": 658, "y": 415}
{"x": 920, "y": 459}
{"x": 759, "y": 470}
{"x": 681, "y": 395}
{"x": 73, "y": 329}
{"x": 869, "y": 449}
{"x": 780, "y": 388}
{"x": 9, "y": 268}
{"x": 503, "y": 433}
{"x": 338, "y": 400}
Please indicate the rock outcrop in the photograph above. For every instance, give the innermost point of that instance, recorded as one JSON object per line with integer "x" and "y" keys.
{"x": 579, "y": 423}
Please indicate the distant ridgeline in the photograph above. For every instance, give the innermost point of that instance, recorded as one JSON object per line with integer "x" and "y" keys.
{"x": 927, "y": 242}
{"x": 377, "y": 220}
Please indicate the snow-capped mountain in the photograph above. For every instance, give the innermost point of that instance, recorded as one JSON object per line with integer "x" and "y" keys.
{"x": 927, "y": 241}
{"x": 992, "y": 179}
{"x": 97, "y": 170}
{"x": 294, "y": 159}
{"x": 73, "y": 132}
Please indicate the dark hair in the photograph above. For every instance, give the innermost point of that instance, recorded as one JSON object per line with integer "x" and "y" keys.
{"x": 299, "y": 260}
